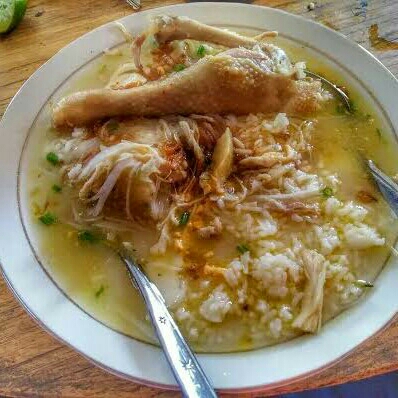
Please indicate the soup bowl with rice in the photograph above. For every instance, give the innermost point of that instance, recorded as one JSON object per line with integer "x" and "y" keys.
{"x": 257, "y": 220}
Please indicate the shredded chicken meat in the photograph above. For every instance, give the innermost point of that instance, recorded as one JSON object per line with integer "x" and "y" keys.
{"x": 310, "y": 317}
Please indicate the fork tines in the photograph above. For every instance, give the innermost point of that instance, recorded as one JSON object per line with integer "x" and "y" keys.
{"x": 136, "y": 4}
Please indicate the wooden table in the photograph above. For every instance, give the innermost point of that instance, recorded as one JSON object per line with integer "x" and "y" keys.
{"x": 32, "y": 363}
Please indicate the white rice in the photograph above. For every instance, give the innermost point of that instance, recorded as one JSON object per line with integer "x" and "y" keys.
{"x": 266, "y": 285}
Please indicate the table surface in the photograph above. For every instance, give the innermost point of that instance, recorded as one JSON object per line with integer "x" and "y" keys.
{"x": 32, "y": 363}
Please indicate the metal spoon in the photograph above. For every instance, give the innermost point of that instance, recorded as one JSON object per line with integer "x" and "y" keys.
{"x": 186, "y": 369}
{"x": 387, "y": 187}
{"x": 340, "y": 93}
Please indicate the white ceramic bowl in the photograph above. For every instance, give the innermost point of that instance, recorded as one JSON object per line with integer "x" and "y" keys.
{"x": 125, "y": 356}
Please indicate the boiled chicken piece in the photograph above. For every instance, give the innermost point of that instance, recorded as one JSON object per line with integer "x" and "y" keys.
{"x": 166, "y": 29}
{"x": 237, "y": 81}
{"x": 310, "y": 317}
{"x": 221, "y": 164}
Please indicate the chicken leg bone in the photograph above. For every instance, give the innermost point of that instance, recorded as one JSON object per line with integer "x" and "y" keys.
{"x": 230, "y": 82}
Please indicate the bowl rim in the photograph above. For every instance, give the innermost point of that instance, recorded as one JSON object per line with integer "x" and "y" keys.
{"x": 256, "y": 388}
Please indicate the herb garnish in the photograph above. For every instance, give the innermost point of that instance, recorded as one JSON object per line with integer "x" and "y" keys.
{"x": 184, "y": 218}
{"x": 327, "y": 192}
{"x": 100, "y": 291}
{"x": 48, "y": 218}
{"x": 201, "y": 51}
{"x": 52, "y": 158}
{"x": 87, "y": 236}
{"x": 242, "y": 248}
{"x": 56, "y": 188}
{"x": 179, "y": 67}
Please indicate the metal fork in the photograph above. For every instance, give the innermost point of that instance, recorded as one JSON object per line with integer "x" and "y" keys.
{"x": 136, "y": 4}
{"x": 387, "y": 187}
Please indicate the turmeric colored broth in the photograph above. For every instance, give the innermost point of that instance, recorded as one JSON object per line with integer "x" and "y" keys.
{"x": 90, "y": 272}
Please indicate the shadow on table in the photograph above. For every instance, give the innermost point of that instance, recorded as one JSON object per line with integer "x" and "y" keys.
{"x": 384, "y": 386}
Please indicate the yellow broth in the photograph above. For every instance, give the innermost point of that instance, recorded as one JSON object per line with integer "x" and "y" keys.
{"x": 92, "y": 275}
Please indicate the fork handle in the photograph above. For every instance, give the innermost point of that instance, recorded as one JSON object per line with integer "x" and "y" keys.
{"x": 186, "y": 369}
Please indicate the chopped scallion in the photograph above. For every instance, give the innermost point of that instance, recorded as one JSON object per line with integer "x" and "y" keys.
{"x": 179, "y": 67}
{"x": 184, "y": 218}
{"x": 56, "y": 188}
{"x": 48, "y": 218}
{"x": 201, "y": 51}
{"x": 100, "y": 291}
{"x": 52, "y": 158}
{"x": 87, "y": 236}
{"x": 327, "y": 192}
{"x": 242, "y": 248}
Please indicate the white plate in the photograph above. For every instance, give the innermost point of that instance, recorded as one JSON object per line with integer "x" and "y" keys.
{"x": 125, "y": 356}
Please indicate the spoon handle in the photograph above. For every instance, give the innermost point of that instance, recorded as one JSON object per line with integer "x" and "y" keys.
{"x": 186, "y": 369}
{"x": 387, "y": 187}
